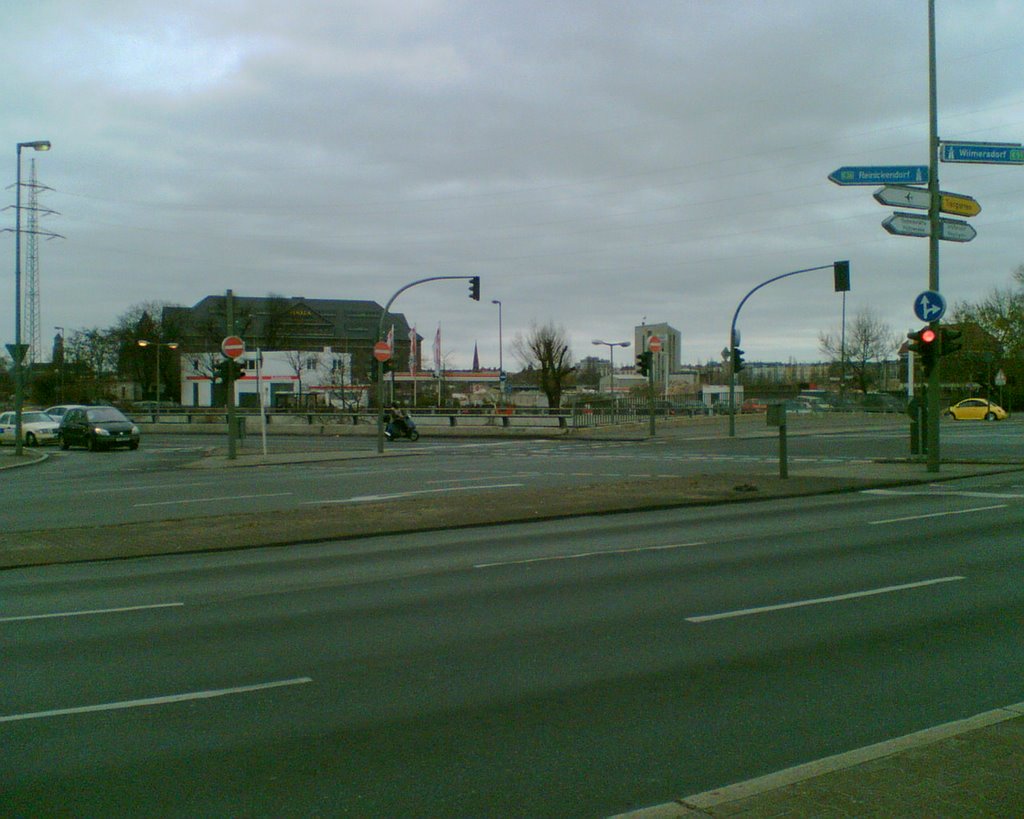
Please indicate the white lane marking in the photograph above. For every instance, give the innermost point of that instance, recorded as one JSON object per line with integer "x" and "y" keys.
{"x": 88, "y": 612}
{"x": 210, "y": 500}
{"x": 943, "y": 493}
{"x": 143, "y": 488}
{"x": 936, "y": 514}
{"x": 461, "y": 480}
{"x": 578, "y": 555}
{"x": 817, "y": 601}
{"x": 149, "y": 701}
{"x": 369, "y": 498}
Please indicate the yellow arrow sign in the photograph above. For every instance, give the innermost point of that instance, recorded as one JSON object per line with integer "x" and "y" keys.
{"x": 959, "y": 204}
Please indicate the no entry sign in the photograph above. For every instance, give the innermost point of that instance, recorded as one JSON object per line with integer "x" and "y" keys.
{"x": 654, "y": 344}
{"x": 381, "y": 351}
{"x": 232, "y": 347}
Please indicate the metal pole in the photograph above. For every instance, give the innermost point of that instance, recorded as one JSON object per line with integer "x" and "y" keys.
{"x": 732, "y": 338}
{"x": 60, "y": 380}
{"x": 842, "y": 352}
{"x": 229, "y": 382}
{"x": 934, "y": 380}
{"x": 157, "y": 414}
{"x": 19, "y": 396}
{"x": 380, "y": 364}
{"x": 501, "y": 360}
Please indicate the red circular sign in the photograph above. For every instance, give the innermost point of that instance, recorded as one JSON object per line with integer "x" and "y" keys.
{"x": 381, "y": 351}
{"x": 654, "y": 344}
{"x": 232, "y": 347}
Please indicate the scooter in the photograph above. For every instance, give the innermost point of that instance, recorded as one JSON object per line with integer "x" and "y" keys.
{"x": 401, "y": 427}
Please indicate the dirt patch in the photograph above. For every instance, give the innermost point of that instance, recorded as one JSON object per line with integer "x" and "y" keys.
{"x": 339, "y": 521}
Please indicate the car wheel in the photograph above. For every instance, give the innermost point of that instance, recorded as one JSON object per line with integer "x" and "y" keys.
{"x": 990, "y": 416}
{"x": 91, "y": 444}
{"x": 951, "y": 416}
{"x": 133, "y": 445}
{"x": 30, "y": 439}
{"x": 63, "y": 442}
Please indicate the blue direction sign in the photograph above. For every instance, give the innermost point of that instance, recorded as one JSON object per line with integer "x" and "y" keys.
{"x": 929, "y": 306}
{"x": 988, "y": 153}
{"x": 880, "y": 175}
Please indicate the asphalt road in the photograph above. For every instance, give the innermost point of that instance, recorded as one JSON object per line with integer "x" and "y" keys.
{"x": 574, "y": 668}
{"x": 79, "y": 488}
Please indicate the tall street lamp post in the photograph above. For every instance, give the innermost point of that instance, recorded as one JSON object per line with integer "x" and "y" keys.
{"x": 60, "y": 364}
{"x": 19, "y": 351}
{"x": 501, "y": 360}
{"x": 170, "y": 345}
{"x": 611, "y": 345}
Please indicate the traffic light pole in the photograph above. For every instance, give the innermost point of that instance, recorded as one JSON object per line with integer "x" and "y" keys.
{"x": 733, "y": 341}
{"x": 474, "y": 293}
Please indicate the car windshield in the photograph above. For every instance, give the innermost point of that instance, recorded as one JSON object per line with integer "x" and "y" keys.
{"x": 104, "y": 414}
{"x": 35, "y": 418}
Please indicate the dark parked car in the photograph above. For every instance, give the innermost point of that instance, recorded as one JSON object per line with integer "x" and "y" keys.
{"x": 97, "y": 428}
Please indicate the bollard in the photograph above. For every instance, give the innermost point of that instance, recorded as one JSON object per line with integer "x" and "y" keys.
{"x": 777, "y": 418}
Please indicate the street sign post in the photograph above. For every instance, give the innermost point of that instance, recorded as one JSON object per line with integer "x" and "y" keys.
{"x": 929, "y": 306}
{"x": 917, "y": 224}
{"x": 904, "y": 196}
{"x": 986, "y": 153}
{"x": 232, "y": 347}
{"x": 880, "y": 175}
{"x": 654, "y": 344}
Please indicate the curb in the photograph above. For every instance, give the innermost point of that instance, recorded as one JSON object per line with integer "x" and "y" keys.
{"x": 35, "y": 458}
{"x": 714, "y": 801}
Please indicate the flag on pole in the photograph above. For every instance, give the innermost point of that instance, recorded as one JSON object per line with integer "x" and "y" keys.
{"x": 391, "y": 340}
{"x": 412, "y": 351}
{"x": 437, "y": 353}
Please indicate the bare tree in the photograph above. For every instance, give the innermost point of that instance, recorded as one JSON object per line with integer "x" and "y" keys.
{"x": 545, "y": 351}
{"x": 302, "y": 361}
{"x": 869, "y": 342}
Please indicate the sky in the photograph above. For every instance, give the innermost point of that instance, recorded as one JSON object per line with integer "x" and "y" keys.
{"x": 599, "y": 164}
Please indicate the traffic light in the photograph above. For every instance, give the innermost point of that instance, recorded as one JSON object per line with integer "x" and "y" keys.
{"x": 643, "y": 362}
{"x": 737, "y": 359}
{"x": 951, "y": 340}
{"x": 924, "y": 342}
{"x": 230, "y": 368}
{"x": 474, "y": 288}
{"x": 841, "y": 276}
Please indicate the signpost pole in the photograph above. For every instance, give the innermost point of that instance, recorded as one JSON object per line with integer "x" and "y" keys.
{"x": 229, "y": 381}
{"x": 934, "y": 380}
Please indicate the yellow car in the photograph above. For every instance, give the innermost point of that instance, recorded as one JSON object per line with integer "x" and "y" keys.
{"x": 976, "y": 409}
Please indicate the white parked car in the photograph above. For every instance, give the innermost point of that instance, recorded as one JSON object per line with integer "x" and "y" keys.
{"x": 59, "y": 410}
{"x": 36, "y": 428}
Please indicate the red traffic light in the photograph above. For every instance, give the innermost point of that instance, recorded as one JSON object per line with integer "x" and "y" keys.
{"x": 928, "y": 335}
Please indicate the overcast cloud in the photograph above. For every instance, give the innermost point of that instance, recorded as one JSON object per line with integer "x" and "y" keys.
{"x": 594, "y": 162}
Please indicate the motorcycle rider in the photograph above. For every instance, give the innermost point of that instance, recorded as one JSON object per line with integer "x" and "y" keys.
{"x": 396, "y": 422}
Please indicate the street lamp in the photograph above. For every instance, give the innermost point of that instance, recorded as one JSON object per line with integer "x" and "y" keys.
{"x": 19, "y": 349}
{"x": 170, "y": 345}
{"x": 611, "y": 345}
{"x": 60, "y": 382}
{"x": 501, "y": 362}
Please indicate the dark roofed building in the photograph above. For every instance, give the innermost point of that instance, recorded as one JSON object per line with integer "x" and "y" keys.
{"x": 290, "y": 323}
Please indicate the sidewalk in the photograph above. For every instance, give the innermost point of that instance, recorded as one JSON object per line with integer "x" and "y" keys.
{"x": 970, "y": 767}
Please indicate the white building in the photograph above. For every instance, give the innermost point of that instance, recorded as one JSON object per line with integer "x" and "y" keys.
{"x": 285, "y": 377}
